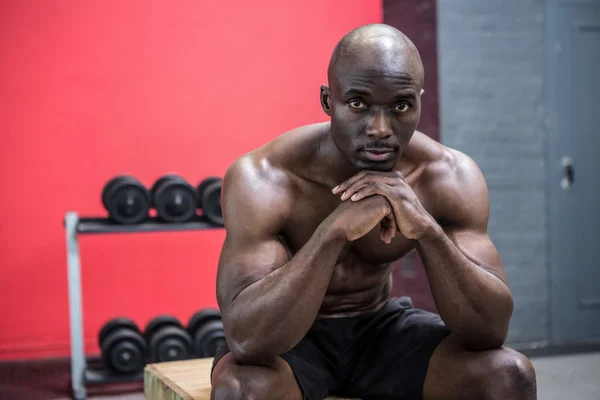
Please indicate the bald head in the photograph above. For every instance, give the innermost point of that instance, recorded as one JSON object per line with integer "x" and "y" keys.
{"x": 376, "y": 47}
{"x": 374, "y": 94}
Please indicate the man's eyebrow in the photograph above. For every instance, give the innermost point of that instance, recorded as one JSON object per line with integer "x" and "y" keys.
{"x": 406, "y": 94}
{"x": 356, "y": 92}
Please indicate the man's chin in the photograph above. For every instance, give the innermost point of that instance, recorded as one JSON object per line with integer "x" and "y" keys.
{"x": 376, "y": 166}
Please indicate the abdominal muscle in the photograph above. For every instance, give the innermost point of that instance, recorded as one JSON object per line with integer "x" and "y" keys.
{"x": 353, "y": 291}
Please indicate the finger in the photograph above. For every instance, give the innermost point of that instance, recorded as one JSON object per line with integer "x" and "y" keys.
{"x": 389, "y": 222}
{"x": 365, "y": 181}
{"x": 393, "y": 224}
{"x": 370, "y": 190}
{"x": 353, "y": 189}
{"x": 388, "y": 230}
{"x": 349, "y": 182}
{"x": 383, "y": 234}
{"x": 386, "y": 233}
{"x": 359, "y": 176}
{"x": 393, "y": 230}
{"x": 344, "y": 185}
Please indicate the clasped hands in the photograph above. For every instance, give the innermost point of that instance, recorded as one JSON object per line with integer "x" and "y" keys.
{"x": 408, "y": 216}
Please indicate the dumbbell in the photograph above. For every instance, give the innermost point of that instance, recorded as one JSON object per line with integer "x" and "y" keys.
{"x": 209, "y": 199}
{"x": 167, "y": 339}
{"x": 126, "y": 199}
{"x": 174, "y": 199}
{"x": 206, "y": 329}
{"x": 122, "y": 345}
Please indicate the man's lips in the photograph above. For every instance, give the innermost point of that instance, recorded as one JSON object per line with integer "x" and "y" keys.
{"x": 378, "y": 154}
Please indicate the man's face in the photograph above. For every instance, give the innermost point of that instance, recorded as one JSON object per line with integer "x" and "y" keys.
{"x": 374, "y": 111}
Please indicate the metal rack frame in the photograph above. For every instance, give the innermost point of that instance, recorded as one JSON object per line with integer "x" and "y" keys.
{"x": 81, "y": 374}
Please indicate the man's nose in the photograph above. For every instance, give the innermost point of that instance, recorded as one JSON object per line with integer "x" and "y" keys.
{"x": 380, "y": 125}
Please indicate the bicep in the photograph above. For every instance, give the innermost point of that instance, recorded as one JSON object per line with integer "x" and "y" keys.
{"x": 253, "y": 214}
{"x": 244, "y": 261}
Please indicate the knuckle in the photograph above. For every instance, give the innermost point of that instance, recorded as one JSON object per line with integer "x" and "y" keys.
{"x": 385, "y": 209}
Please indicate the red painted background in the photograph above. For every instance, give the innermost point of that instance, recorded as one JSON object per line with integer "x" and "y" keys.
{"x": 97, "y": 88}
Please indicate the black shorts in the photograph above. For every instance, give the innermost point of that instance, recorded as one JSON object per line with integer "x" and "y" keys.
{"x": 380, "y": 355}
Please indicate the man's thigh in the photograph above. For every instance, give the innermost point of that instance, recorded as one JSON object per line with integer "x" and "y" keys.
{"x": 393, "y": 352}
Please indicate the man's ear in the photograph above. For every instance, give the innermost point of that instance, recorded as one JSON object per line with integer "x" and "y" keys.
{"x": 326, "y": 99}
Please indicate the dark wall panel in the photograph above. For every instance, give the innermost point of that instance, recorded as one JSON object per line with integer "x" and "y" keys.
{"x": 417, "y": 19}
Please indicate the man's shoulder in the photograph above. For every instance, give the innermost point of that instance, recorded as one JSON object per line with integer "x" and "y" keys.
{"x": 255, "y": 174}
{"x": 255, "y": 195}
{"x": 450, "y": 166}
{"x": 440, "y": 163}
{"x": 270, "y": 172}
{"x": 276, "y": 162}
{"x": 292, "y": 149}
{"x": 454, "y": 178}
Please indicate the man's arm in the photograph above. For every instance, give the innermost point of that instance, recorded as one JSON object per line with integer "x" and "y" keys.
{"x": 268, "y": 301}
{"x": 463, "y": 267}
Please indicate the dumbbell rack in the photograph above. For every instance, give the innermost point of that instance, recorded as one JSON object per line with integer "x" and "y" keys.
{"x": 81, "y": 374}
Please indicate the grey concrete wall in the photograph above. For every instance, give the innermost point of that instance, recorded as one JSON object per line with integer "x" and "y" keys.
{"x": 492, "y": 107}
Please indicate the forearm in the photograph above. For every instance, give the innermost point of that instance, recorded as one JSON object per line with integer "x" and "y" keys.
{"x": 272, "y": 315}
{"x": 474, "y": 304}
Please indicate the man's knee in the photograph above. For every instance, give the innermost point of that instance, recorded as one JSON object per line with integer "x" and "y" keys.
{"x": 232, "y": 387}
{"x": 511, "y": 376}
{"x": 236, "y": 382}
{"x": 226, "y": 387}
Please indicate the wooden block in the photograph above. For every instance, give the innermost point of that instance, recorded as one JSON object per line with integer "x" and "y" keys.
{"x": 181, "y": 380}
{"x": 178, "y": 380}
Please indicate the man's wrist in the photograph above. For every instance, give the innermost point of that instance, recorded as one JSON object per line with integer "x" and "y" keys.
{"x": 431, "y": 231}
{"x": 331, "y": 232}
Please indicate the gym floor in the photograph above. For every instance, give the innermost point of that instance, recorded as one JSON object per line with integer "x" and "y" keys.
{"x": 574, "y": 376}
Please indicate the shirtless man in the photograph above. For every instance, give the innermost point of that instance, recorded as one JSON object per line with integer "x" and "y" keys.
{"x": 315, "y": 220}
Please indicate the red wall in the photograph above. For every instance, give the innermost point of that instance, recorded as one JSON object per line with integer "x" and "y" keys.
{"x": 93, "y": 89}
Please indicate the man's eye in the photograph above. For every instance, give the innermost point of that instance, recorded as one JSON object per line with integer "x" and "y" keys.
{"x": 401, "y": 107}
{"x": 357, "y": 104}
